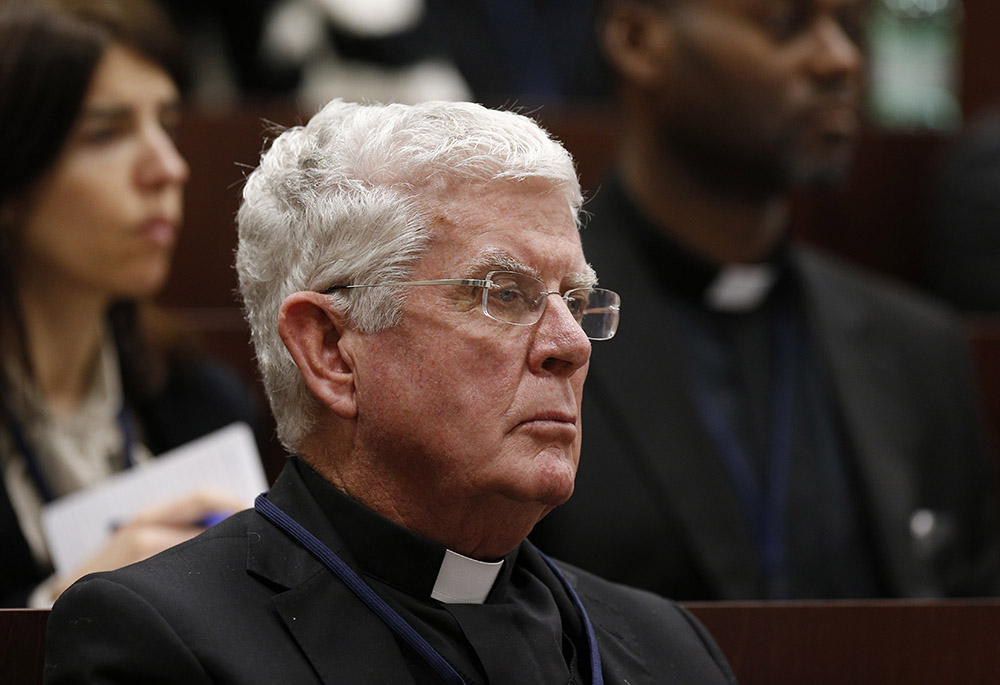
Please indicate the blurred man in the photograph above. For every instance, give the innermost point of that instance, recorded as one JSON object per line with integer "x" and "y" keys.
{"x": 422, "y": 314}
{"x": 771, "y": 423}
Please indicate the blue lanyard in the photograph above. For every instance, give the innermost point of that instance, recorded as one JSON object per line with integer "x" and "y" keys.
{"x": 389, "y": 616}
{"x": 765, "y": 504}
{"x": 22, "y": 445}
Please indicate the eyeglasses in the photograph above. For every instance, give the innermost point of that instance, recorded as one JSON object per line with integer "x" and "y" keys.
{"x": 519, "y": 299}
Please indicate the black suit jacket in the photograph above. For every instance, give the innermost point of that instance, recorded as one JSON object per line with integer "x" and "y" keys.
{"x": 243, "y": 603}
{"x": 963, "y": 243}
{"x": 654, "y": 505}
{"x": 200, "y": 396}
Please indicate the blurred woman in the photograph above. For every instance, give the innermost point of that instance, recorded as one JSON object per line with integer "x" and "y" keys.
{"x": 91, "y": 195}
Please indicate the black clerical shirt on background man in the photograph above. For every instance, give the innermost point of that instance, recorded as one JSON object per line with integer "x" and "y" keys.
{"x": 750, "y": 353}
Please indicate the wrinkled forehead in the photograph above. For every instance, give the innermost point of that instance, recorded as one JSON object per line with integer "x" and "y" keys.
{"x": 456, "y": 193}
{"x": 525, "y": 226}
{"x": 536, "y": 203}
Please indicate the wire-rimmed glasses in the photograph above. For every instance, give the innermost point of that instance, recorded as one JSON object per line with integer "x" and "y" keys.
{"x": 520, "y": 299}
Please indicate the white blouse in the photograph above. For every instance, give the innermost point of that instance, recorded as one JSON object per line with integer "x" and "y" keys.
{"x": 73, "y": 451}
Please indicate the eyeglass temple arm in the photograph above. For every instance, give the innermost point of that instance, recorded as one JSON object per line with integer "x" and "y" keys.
{"x": 479, "y": 283}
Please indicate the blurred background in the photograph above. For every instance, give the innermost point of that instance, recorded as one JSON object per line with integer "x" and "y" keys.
{"x": 922, "y": 204}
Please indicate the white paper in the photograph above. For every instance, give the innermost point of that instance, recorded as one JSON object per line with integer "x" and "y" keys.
{"x": 76, "y": 525}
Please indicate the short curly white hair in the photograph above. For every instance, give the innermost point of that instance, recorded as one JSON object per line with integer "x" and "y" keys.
{"x": 340, "y": 200}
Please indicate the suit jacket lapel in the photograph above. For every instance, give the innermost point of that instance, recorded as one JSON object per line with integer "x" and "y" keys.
{"x": 868, "y": 379}
{"x": 332, "y": 627}
{"x": 615, "y": 638}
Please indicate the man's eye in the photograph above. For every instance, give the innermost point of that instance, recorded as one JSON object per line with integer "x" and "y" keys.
{"x": 508, "y": 295}
{"x": 577, "y": 303}
{"x": 783, "y": 24}
{"x": 852, "y": 23}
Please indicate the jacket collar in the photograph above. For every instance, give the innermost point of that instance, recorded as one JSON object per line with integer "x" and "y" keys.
{"x": 306, "y": 590}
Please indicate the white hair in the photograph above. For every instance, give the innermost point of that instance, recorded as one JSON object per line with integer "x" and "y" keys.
{"x": 344, "y": 200}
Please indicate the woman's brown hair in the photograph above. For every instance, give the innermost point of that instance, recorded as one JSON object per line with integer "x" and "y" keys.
{"x": 49, "y": 50}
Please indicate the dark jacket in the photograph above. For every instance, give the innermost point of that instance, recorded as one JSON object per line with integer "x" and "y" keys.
{"x": 655, "y": 507}
{"x": 244, "y": 603}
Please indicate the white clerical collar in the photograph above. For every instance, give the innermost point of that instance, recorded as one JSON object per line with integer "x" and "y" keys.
{"x": 462, "y": 580}
{"x": 740, "y": 287}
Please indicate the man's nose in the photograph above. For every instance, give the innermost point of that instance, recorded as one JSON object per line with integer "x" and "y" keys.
{"x": 835, "y": 53}
{"x": 560, "y": 345}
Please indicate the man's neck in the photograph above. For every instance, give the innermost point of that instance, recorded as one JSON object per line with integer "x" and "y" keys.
{"x": 478, "y": 529}
{"x": 718, "y": 226}
{"x": 485, "y": 528}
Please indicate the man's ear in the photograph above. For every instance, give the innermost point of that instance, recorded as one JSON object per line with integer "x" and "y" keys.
{"x": 637, "y": 39}
{"x": 312, "y": 333}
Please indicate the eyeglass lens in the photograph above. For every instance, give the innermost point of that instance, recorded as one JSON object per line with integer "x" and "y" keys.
{"x": 521, "y": 299}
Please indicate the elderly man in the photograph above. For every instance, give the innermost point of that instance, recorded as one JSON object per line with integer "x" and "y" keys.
{"x": 775, "y": 423}
{"x": 422, "y": 314}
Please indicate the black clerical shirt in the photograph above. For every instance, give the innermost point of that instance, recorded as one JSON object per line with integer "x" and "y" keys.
{"x": 827, "y": 547}
{"x": 527, "y": 630}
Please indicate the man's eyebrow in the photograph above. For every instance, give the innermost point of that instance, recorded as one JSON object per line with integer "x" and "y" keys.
{"x": 582, "y": 279}
{"x": 498, "y": 260}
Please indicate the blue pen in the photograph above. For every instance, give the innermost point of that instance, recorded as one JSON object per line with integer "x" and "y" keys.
{"x": 206, "y": 521}
{"x": 210, "y": 519}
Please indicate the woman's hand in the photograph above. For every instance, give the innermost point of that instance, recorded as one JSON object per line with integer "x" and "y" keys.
{"x": 153, "y": 530}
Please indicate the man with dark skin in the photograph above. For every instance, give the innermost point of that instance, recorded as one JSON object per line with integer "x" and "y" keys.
{"x": 729, "y": 104}
{"x": 778, "y": 424}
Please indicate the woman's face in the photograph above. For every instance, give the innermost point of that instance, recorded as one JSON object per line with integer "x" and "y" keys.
{"x": 103, "y": 220}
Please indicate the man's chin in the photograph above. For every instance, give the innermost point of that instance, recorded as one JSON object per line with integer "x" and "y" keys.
{"x": 543, "y": 476}
{"x": 555, "y": 485}
{"x": 826, "y": 167}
